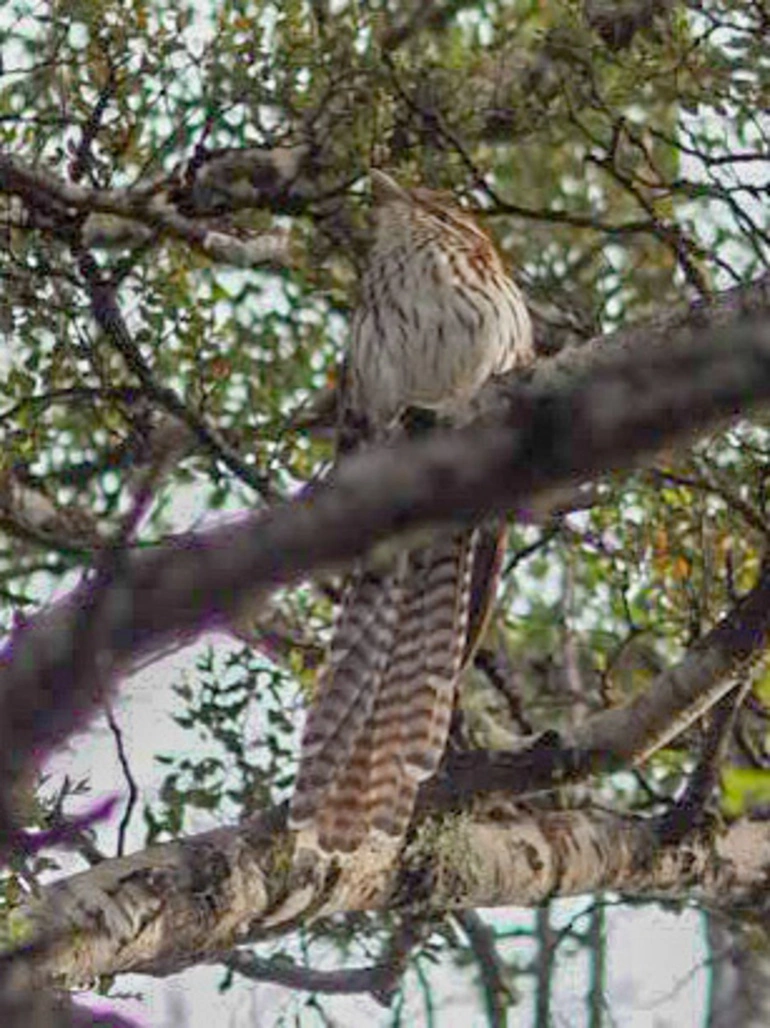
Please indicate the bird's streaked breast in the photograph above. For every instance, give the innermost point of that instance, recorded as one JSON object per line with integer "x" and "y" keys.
{"x": 435, "y": 322}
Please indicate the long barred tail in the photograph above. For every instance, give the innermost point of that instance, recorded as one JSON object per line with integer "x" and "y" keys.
{"x": 347, "y": 688}
{"x": 380, "y": 721}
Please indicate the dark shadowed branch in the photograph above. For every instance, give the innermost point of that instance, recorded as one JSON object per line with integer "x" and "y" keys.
{"x": 604, "y": 406}
{"x": 380, "y": 980}
{"x": 292, "y": 976}
{"x": 617, "y": 24}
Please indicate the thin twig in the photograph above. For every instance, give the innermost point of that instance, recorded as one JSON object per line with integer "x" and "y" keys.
{"x": 109, "y": 318}
{"x": 133, "y": 789}
{"x": 492, "y": 968}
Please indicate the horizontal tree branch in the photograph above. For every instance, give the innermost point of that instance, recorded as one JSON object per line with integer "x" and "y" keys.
{"x": 604, "y": 406}
{"x": 373, "y": 979}
{"x": 184, "y": 902}
{"x": 131, "y": 216}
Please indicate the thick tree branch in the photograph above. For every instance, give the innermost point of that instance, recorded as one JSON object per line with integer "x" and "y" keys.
{"x": 604, "y": 406}
{"x": 174, "y": 905}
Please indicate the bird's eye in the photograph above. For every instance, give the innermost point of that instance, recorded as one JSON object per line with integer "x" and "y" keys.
{"x": 444, "y": 216}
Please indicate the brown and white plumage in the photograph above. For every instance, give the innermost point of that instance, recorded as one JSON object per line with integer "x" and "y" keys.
{"x": 438, "y": 317}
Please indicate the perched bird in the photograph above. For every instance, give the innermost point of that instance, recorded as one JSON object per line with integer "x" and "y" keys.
{"x": 438, "y": 316}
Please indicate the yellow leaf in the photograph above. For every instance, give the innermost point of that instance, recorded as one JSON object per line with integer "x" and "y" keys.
{"x": 744, "y": 787}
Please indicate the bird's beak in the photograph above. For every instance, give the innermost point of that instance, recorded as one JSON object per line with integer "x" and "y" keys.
{"x": 385, "y": 189}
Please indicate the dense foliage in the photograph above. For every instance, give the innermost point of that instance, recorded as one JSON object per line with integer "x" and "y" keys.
{"x": 617, "y": 153}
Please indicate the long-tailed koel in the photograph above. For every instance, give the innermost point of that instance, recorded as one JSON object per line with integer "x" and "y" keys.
{"x": 438, "y": 316}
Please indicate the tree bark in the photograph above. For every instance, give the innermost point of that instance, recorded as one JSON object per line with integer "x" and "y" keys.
{"x": 178, "y": 904}
{"x": 600, "y": 407}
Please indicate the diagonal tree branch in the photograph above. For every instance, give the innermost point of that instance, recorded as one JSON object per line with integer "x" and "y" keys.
{"x": 625, "y": 735}
{"x": 602, "y": 407}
